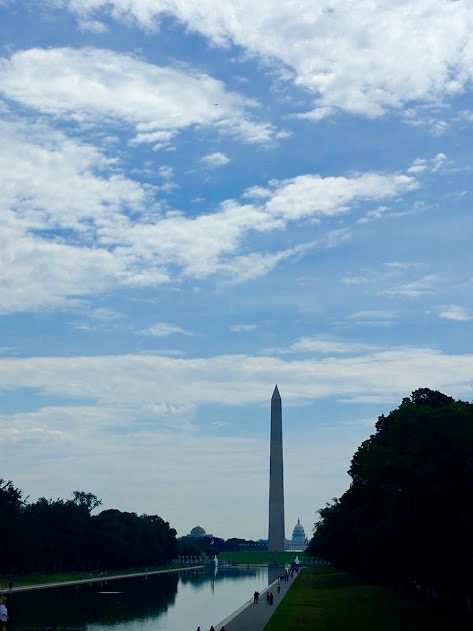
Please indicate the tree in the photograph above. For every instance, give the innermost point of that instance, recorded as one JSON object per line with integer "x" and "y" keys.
{"x": 88, "y": 501}
{"x": 11, "y": 506}
{"x": 408, "y": 515}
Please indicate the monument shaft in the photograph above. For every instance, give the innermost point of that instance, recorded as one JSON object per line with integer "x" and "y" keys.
{"x": 276, "y": 539}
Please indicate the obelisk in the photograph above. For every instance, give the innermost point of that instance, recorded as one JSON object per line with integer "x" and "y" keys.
{"x": 276, "y": 483}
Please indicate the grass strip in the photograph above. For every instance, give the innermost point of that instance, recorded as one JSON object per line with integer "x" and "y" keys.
{"x": 44, "y": 579}
{"x": 260, "y": 556}
{"x": 328, "y": 600}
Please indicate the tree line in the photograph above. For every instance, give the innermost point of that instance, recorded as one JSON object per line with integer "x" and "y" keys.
{"x": 63, "y": 535}
{"x": 211, "y": 546}
{"x": 407, "y": 517}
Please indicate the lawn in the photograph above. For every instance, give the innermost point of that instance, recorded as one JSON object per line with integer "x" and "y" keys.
{"x": 261, "y": 556}
{"x": 43, "y": 579}
{"x": 328, "y": 600}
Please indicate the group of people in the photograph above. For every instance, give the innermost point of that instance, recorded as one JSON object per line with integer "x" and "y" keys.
{"x": 288, "y": 574}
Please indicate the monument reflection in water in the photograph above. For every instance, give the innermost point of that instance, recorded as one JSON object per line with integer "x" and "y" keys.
{"x": 168, "y": 602}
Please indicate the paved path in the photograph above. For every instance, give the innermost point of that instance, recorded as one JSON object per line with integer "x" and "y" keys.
{"x": 251, "y": 617}
{"x": 97, "y": 579}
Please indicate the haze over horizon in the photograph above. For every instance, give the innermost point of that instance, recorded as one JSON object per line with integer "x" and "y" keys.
{"x": 200, "y": 200}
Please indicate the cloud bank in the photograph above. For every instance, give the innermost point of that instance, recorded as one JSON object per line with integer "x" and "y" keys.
{"x": 361, "y": 58}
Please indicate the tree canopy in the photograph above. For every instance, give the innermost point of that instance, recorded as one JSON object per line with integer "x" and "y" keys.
{"x": 408, "y": 514}
{"x": 52, "y": 535}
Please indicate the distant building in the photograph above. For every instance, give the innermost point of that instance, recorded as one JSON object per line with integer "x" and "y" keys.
{"x": 198, "y": 533}
{"x": 254, "y": 546}
{"x": 299, "y": 542}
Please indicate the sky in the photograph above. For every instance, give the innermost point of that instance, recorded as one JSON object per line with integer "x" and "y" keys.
{"x": 200, "y": 200}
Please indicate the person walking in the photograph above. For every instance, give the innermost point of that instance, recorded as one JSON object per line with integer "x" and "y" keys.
{"x": 279, "y": 588}
{"x": 3, "y": 614}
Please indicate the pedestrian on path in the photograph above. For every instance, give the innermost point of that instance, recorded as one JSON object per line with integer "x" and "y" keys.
{"x": 279, "y": 588}
{"x": 3, "y": 614}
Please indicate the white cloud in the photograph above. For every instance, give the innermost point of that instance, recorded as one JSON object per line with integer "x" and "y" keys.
{"x": 215, "y": 160}
{"x": 357, "y": 59}
{"x": 91, "y": 85}
{"x": 51, "y": 181}
{"x": 396, "y": 279}
{"x": 242, "y": 328}
{"x": 163, "y": 329}
{"x": 166, "y": 172}
{"x": 60, "y": 198}
{"x": 236, "y": 379}
{"x": 455, "y": 312}
{"x": 327, "y": 346}
{"x": 93, "y": 26}
{"x": 257, "y": 192}
{"x": 374, "y": 317}
{"x": 418, "y": 287}
{"x": 73, "y": 225}
{"x": 308, "y": 195}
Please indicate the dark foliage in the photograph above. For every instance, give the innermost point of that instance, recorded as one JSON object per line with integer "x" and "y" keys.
{"x": 62, "y": 535}
{"x": 407, "y": 518}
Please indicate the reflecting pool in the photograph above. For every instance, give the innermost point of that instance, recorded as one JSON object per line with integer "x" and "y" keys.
{"x": 165, "y": 602}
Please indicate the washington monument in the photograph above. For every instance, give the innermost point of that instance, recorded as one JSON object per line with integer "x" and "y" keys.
{"x": 276, "y": 539}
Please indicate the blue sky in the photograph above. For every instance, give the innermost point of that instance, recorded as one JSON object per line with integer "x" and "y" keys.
{"x": 200, "y": 200}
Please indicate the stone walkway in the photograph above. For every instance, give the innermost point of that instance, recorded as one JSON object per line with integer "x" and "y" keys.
{"x": 97, "y": 579}
{"x": 251, "y": 617}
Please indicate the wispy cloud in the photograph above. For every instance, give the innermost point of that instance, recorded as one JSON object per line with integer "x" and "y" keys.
{"x": 455, "y": 312}
{"x": 242, "y": 328}
{"x": 373, "y": 317}
{"x": 328, "y": 346}
{"x": 415, "y": 288}
{"x": 163, "y": 329}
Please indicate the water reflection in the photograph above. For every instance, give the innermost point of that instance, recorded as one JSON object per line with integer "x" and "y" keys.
{"x": 97, "y": 603}
{"x": 168, "y": 602}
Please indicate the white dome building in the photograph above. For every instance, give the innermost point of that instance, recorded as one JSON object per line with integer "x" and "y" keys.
{"x": 198, "y": 532}
{"x": 298, "y": 543}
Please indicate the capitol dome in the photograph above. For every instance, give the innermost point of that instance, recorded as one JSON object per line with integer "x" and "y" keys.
{"x": 298, "y": 543}
{"x": 298, "y": 531}
{"x": 197, "y": 531}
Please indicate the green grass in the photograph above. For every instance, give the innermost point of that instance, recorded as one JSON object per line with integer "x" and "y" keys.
{"x": 328, "y": 600}
{"x": 262, "y": 556}
{"x": 44, "y": 579}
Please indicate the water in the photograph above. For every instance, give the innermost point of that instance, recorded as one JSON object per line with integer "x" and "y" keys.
{"x": 164, "y": 602}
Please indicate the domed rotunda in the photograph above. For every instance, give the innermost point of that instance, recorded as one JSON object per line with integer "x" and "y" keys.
{"x": 197, "y": 531}
{"x": 298, "y": 543}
